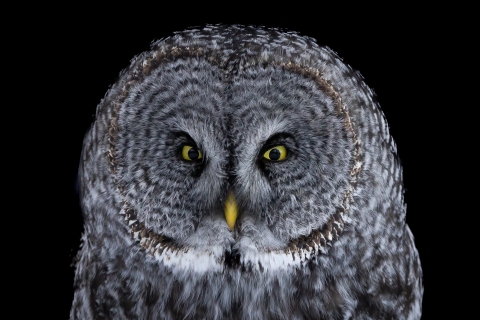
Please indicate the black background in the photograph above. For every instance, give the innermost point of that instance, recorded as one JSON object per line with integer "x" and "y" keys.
{"x": 395, "y": 49}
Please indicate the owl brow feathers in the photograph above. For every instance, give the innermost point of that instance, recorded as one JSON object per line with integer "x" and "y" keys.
{"x": 318, "y": 241}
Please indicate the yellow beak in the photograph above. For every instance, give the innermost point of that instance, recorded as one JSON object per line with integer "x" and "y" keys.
{"x": 231, "y": 210}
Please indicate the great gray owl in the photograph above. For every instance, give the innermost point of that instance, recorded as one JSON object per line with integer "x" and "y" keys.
{"x": 243, "y": 173}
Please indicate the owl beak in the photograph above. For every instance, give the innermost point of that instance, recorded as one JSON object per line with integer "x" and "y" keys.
{"x": 231, "y": 210}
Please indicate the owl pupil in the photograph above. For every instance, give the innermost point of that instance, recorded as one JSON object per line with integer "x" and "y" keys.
{"x": 274, "y": 154}
{"x": 193, "y": 154}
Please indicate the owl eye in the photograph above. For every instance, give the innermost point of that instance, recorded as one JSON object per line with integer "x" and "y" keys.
{"x": 190, "y": 153}
{"x": 276, "y": 153}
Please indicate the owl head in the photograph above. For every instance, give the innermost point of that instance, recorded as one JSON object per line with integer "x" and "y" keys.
{"x": 250, "y": 155}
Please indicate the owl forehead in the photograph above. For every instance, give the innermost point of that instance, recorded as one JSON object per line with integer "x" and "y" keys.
{"x": 269, "y": 100}
{"x": 177, "y": 97}
{"x": 185, "y": 88}
{"x": 181, "y": 92}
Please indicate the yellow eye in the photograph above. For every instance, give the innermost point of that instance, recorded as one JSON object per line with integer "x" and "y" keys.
{"x": 190, "y": 153}
{"x": 277, "y": 153}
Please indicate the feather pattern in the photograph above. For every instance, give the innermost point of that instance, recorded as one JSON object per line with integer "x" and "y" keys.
{"x": 319, "y": 235}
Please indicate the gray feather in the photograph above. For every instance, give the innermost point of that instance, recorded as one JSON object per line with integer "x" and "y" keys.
{"x": 320, "y": 235}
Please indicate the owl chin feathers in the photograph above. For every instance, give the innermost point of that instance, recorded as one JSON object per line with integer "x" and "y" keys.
{"x": 291, "y": 134}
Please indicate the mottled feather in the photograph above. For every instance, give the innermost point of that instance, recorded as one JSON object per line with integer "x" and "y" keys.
{"x": 320, "y": 235}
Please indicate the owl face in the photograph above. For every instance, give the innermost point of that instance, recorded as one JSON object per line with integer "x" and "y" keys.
{"x": 274, "y": 138}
